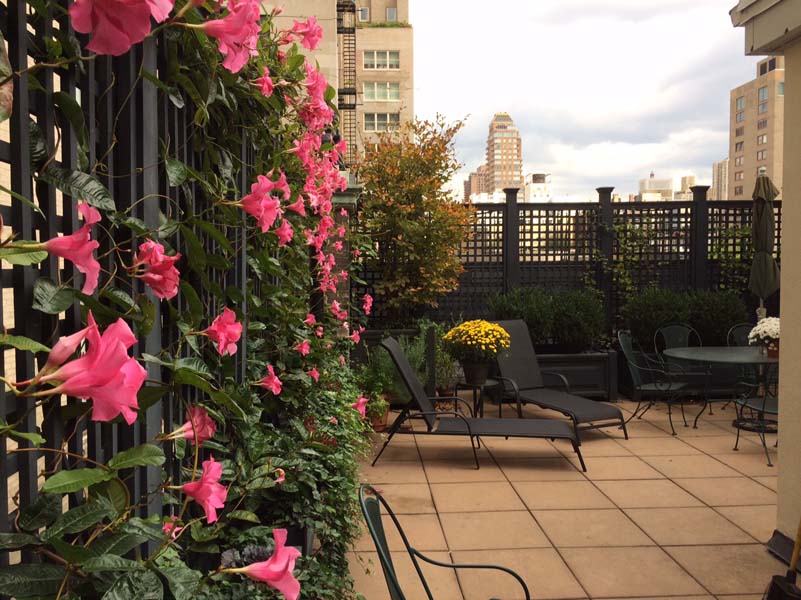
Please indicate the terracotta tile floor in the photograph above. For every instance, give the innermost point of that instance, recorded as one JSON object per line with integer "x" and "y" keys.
{"x": 657, "y": 516}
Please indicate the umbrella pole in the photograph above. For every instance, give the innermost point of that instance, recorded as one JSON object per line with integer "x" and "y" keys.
{"x": 761, "y": 312}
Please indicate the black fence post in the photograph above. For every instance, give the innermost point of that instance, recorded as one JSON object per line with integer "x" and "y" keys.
{"x": 606, "y": 246}
{"x": 700, "y": 237}
{"x": 511, "y": 240}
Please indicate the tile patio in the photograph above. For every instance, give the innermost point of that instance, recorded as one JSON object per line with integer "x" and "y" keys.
{"x": 654, "y": 517}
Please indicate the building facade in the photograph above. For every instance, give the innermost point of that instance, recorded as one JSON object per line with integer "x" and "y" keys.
{"x": 720, "y": 180}
{"x": 685, "y": 192}
{"x": 756, "y": 129}
{"x": 504, "y": 154}
{"x": 655, "y": 189}
{"x": 476, "y": 183}
{"x": 538, "y": 188}
{"x": 384, "y": 68}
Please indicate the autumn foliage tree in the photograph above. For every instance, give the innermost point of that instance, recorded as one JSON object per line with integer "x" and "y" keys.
{"x": 413, "y": 220}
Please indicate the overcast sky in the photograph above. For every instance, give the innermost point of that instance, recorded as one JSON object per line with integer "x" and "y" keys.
{"x": 603, "y": 91}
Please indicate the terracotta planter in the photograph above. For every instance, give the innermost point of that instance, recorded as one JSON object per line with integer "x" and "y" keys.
{"x": 380, "y": 423}
{"x": 475, "y": 373}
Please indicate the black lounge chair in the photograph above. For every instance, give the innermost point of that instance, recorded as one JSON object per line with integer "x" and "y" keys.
{"x": 371, "y": 502}
{"x": 459, "y": 424}
{"x": 524, "y": 383}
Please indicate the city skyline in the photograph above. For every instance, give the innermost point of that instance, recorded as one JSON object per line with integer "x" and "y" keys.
{"x": 643, "y": 99}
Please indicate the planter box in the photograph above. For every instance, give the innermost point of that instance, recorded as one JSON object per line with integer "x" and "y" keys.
{"x": 591, "y": 374}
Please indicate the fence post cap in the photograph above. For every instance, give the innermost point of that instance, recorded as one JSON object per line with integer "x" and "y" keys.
{"x": 605, "y": 190}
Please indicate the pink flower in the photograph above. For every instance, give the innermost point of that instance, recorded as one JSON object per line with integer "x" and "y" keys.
{"x": 341, "y": 361}
{"x": 303, "y": 347}
{"x": 271, "y": 381}
{"x": 171, "y": 528}
{"x": 226, "y": 331}
{"x": 338, "y": 246}
{"x": 343, "y": 212}
{"x": 314, "y": 374}
{"x": 280, "y": 476}
{"x": 79, "y": 247}
{"x": 356, "y": 253}
{"x": 265, "y": 83}
{"x": 276, "y": 571}
{"x": 66, "y": 346}
{"x": 237, "y": 33}
{"x": 199, "y": 426}
{"x": 260, "y": 204}
{"x": 310, "y": 319}
{"x": 333, "y": 421}
{"x": 319, "y": 331}
{"x": 298, "y": 206}
{"x": 285, "y": 233}
{"x": 368, "y": 304}
{"x": 105, "y": 373}
{"x": 160, "y": 272}
{"x": 310, "y": 31}
{"x": 116, "y": 25}
{"x": 361, "y": 406}
{"x": 355, "y": 337}
{"x": 206, "y": 491}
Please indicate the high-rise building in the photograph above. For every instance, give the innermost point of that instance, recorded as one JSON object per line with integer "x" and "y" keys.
{"x": 756, "y": 126}
{"x": 720, "y": 180}
{"x": 685, "y": 193}
{"x": 476, "y": 183}
{"x": 504, "y": 154}
{"x": 538, "y": 188}
{"x": 384, "y": 68}
{"x": 653, "y": 189}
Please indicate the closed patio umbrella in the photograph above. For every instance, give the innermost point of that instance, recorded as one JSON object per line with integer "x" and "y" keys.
{"x": 764, "y": 279}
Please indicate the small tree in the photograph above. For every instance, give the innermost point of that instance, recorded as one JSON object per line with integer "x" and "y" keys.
{"x": 416, "y": 225}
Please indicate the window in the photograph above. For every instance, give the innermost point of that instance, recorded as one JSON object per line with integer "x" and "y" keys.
{"x": 738, "y": 147}
{"x": 738, "y": 191}
{"x": 763, "y": 69}
{"x": 762, "y": 154}
{"x": 381, "y": 59}
{"x": 364, "y": 14}
{"x": 772, "y": 64}
{"x": 762, "y": 139}
{"x": 780, "y": 91}
{"x": 763, "y": 107}
{"x": 740, "y": 116}
{"x": 738, "y": 176}
{"x": 762, "y": 124}
{"x": 381, "y": 121}
{"x": 392, "y": 14}
{"x": 740, "y": 103}
{"x": 763, "y": 93}
{"x": 381, "y": 91}
{"x": 738, "y": 161}
{"x": 739, "y": 131}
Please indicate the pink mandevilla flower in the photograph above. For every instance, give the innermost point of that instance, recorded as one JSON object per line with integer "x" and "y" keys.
{"x": 260, "y": 204}
{"x": 160, "y": 273}
{"x": 285, "y": 233}
{"x": 361, "y": 406}
{"x": 171, "y": 528}
{"x": 265, "y": 83}
{"x": 310, "y": 319}
{"x": 314, "y": 374}
{"x": 298, "y": 206}
{"x": 207, "y": 491}
{"x": 116, "y": 25}
{"x": 277, "y": 570}
{"x": 226, "y": 331}
{"x": 199, "y": 426}
{"x": 79, "y": 247}
{"x": 368, "y": 304}
{"x": 310, "y": 32}
{"x": 280, "y": 476}
{"x": 355, "y": 337}
{"x": 271, "y": 382}
{"x": 237, "y": 33}
{"x": 303, "y": 347}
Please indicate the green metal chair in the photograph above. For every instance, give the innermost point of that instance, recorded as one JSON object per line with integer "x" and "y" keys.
{"x": 372, "y": 502}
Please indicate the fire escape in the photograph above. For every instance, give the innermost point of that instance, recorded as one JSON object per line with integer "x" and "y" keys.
{"x": 346, "y": 94}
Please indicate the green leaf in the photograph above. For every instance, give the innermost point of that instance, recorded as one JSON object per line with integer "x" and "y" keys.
{"x": 37, "y": 145}
{"x": 65, "y": 482}
{"x": 20, "y": 342}
{"x": 215, "y": 234}
{"x": 120, "y": 298}
{"x": 24, "y": 581}
{"x": 223, "y": 399}
{"x": 150, "y": 394}
{"x": 74, "y": 113}
{"x": 186, "y": 377}
{"x": 51, "y": 298}
{"x": 33, "y": 437}
{"x": 22, "y": 257}
{"x": 195, "y": 365}
{"x": 148, "y": 310}
{"x": 195, "y": 253}
{"x": 176, "y": 172}
{"x": 118, "y": 543}
{"x": 73, "y": 554}
{"x": 80, "y": 518}
{"x": 244, "y": 515}
{"x": 139, "y": 585}
{"x": 114, "y": 491}
{"x": 141, "y": 527}
{"x": 196, "y": 310}
{"x": 22, "y": 199}
{"x": 44, "y": 511}
{"x": 182, "y": 580}
{"x": 109, "y": 562}
{"x": 12, "y": 541}
{"x": 80, "y": 186}
{"x": 144, "y": 455}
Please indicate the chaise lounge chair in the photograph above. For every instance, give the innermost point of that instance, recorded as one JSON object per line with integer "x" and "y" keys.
{"x": 460, "y": 425}
{"x": 524, "y": 384}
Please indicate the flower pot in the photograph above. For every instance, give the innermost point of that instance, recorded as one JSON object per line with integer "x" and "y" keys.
{"x": 773, "y": 349}
{"x": 380, "y": 423}
{"x": 475, "y": 373}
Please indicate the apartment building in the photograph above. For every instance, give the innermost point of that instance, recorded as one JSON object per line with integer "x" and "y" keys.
{"x": 504, "y": 154}
{"x": 720, "y": 180}
{"x": 756, "y": 126}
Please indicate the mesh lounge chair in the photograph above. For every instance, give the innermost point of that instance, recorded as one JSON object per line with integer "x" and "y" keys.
{"x": 460, "y": 425}
{"x": 524, "y": 383}
{"x": 372, "y": 502}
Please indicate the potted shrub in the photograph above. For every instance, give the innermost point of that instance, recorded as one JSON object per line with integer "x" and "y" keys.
{"x": 577, "y": 322}
{"x": 650, "y": 309}
{"x": 378, "y": 412}
{"x": 713, "y": 313}
{"x": 532, "y": 305}
{"x": 475, "y": 344}
{"x": 765, "y": 334}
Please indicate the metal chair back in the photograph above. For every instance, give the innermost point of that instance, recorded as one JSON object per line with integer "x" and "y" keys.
{"x": 738, "y": 334}
{"x": 677, "y": 335}
{"x": 635, "y": 358}
{"x": 519, "y": 361}
{"x": 410, "y": 379}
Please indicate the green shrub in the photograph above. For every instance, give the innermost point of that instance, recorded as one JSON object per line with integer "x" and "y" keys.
{"x": 652, "y": 308}
{"x": 578, "y": 319}
{"x": 532, "y": 305}
{"x": 713, "y": 313}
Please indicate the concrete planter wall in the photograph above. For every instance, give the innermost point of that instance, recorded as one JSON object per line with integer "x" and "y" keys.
{"x": 591, "y": 374}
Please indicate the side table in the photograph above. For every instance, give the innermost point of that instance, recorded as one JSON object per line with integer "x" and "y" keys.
{"x": 478, "y": 393}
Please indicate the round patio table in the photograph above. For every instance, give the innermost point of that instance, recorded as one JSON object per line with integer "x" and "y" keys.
{"x": 729, "y": 355}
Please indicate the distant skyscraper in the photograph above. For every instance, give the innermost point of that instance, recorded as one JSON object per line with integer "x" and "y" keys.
{"x": 756, "y": 129}
{"x": 720, "y": 180}
{"x": 685, "y": 193}
{"x": 504, "y": 154}
{"x": 653, "y": 189}
{"x": 476, "y": 183}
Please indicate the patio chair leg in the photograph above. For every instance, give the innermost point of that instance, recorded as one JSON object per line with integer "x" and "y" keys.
{"x": 700, "y": 412}
{"x": 670, "y": 418}
{"x": 645, "y": 410}
{"x": 737, "y": 439}
{"x": 475, "y": 454}
{"x": 636, "y": 411}
{"x": 577, "y": 450}
{"x": 396, "y": 425}
{"x": 683, "y": 416}
{"x": 625, "y": 431}
{"x": 384, "y": 447}
{"x": 765, "y": 445}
